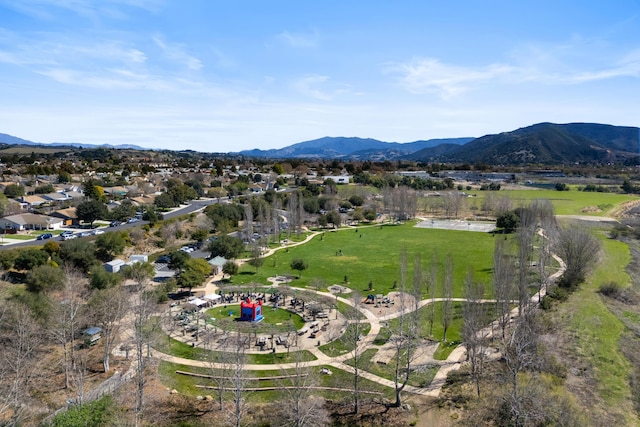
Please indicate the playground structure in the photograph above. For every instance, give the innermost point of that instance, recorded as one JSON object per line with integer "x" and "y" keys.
{"x": 251, "y": 311}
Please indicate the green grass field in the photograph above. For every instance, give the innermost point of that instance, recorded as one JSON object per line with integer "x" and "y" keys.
{"x": 339, "y": 379}
{"x": 372, "y": 255}
{"x": 597, "y": 330}
{"x": 34, "y": 149}
{"x": 180, "y": 349}
{"x": 565, "y": 202}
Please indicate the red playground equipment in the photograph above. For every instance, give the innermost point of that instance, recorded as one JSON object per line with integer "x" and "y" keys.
{"x": 251, "y": 311}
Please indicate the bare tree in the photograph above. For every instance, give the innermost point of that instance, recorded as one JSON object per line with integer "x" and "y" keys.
{"x": 433, "y": 290}
{"x": 400, "y": 202}
{"x": 275, "y": 220}
{"x": 579, "y": 250}
{"x": 354, "y": 331}
{"x": 21, "y": 338}
{"x": 79, "y": 374}
{"x": 504, "y": 271}
{"x": 447, "y": 303}
{"x": 295, "y": 211}
{"x": 143, "y": 306}
{"x": 301, "y": 407}
{"x": 65, "y": 318}
{"x": 547, "y": 238}
{"x": 219, "y": 370}
{"x": 525, "y": 237}
{"x": 238, "y": 381}
{"x": 520, "y": 353}
{"x": 405, "y": 335}
{"x": 248, "y": 220}
{"x": 453, "y": 202}
{"x": 108, "y": 307}
{"x": 474, "y": 333}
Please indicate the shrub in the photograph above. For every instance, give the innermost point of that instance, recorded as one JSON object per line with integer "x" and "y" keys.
{"x": 611, "y": 289}
{"x": 559, "y": 293}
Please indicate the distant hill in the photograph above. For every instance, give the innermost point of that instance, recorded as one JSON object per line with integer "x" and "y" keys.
{"x": 13, "y": 140}
{"x": 351, "y": 148}
{"x": 543, "y": 143}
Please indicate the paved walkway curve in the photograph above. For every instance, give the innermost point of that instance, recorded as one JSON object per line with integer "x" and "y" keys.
{"x": 453, "y": 361}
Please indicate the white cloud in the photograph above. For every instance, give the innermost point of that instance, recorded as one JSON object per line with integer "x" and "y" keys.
{"x": 299, "y": 40}
{"x": 318, "y": 87}
{"x": 90, "y": 9}
{"x": 628, "y": 66}
{"x": 136, "y": 56}
{"x": 427, "y": 75}
{"x": 535, "y": 65}
{"x": 176, "y": 53}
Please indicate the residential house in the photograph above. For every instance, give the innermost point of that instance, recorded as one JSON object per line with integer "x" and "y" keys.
{"x": 30, "y": 221}
{"x": 68, "y": 216}
{"x": 30, "y": 202}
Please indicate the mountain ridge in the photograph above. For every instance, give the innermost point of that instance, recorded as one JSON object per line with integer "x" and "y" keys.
{"x": 14, "y": 140}
{"x": 545, "y": 143}
{"x": 541, "y": 143}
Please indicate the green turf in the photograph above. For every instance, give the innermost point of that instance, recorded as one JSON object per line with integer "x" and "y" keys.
{"x": 597, "y": 330}
{"x": 183, "y": 350}
{"x": 374, "y": 257}
{"x": 343, "y": 345}
{"x": 565, "y": 202}
{"x": 418, "y": 378}
{"x": 338, "y": 379}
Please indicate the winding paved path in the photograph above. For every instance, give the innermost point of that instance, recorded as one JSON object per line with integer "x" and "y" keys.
{"x": 453, "y": 362}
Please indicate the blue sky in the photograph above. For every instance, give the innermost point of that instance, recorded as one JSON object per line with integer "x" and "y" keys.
{"x": 223, "y": 76}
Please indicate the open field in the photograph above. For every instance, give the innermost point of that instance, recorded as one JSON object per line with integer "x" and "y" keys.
{"x": 34, "y": 149}
{"x": 372, "y": 255}
{"x": 183, "y": 350}
{"x": 338, "y": 380}
{"x": 596, "y": 331}
{"x": 565, "y": 202}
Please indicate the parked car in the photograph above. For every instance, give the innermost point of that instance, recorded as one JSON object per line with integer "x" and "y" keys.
{"x": 115, "y": 223}
{"x": 86, "y": 234}
{"x": 69, "y": 237}
{"x": 44, "y": 236}
{"x": 96, "y": 232}
{"x": 66, "y": 233}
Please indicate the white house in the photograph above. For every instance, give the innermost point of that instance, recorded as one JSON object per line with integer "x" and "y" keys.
{"x": 114, "y": 266}
{"x": 338, "y": 179}
{"x": 30, "y": 221}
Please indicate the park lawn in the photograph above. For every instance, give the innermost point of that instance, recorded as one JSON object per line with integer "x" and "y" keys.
{"x": 183, "y": 350}
{"x": 9, "y": 238}
{"x": 185, "y": 384}
{"x": 565, "y": 202}
{"x": 421, "y": 378}
{"x": 371, "y": 256}
{"x": 342, "y": 345}
{"x": 454, "y": 331}
{"x": 597, "y": 331}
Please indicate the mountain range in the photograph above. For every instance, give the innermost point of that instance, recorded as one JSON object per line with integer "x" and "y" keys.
{"x": 13, "y": 140}
{"x": 540, "y": 144}
{"x": 352, "y": 148}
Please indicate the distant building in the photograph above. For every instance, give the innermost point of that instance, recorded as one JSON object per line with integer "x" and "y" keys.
{"x": 114, "y": 266}
{"x": 338, "y": 179}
